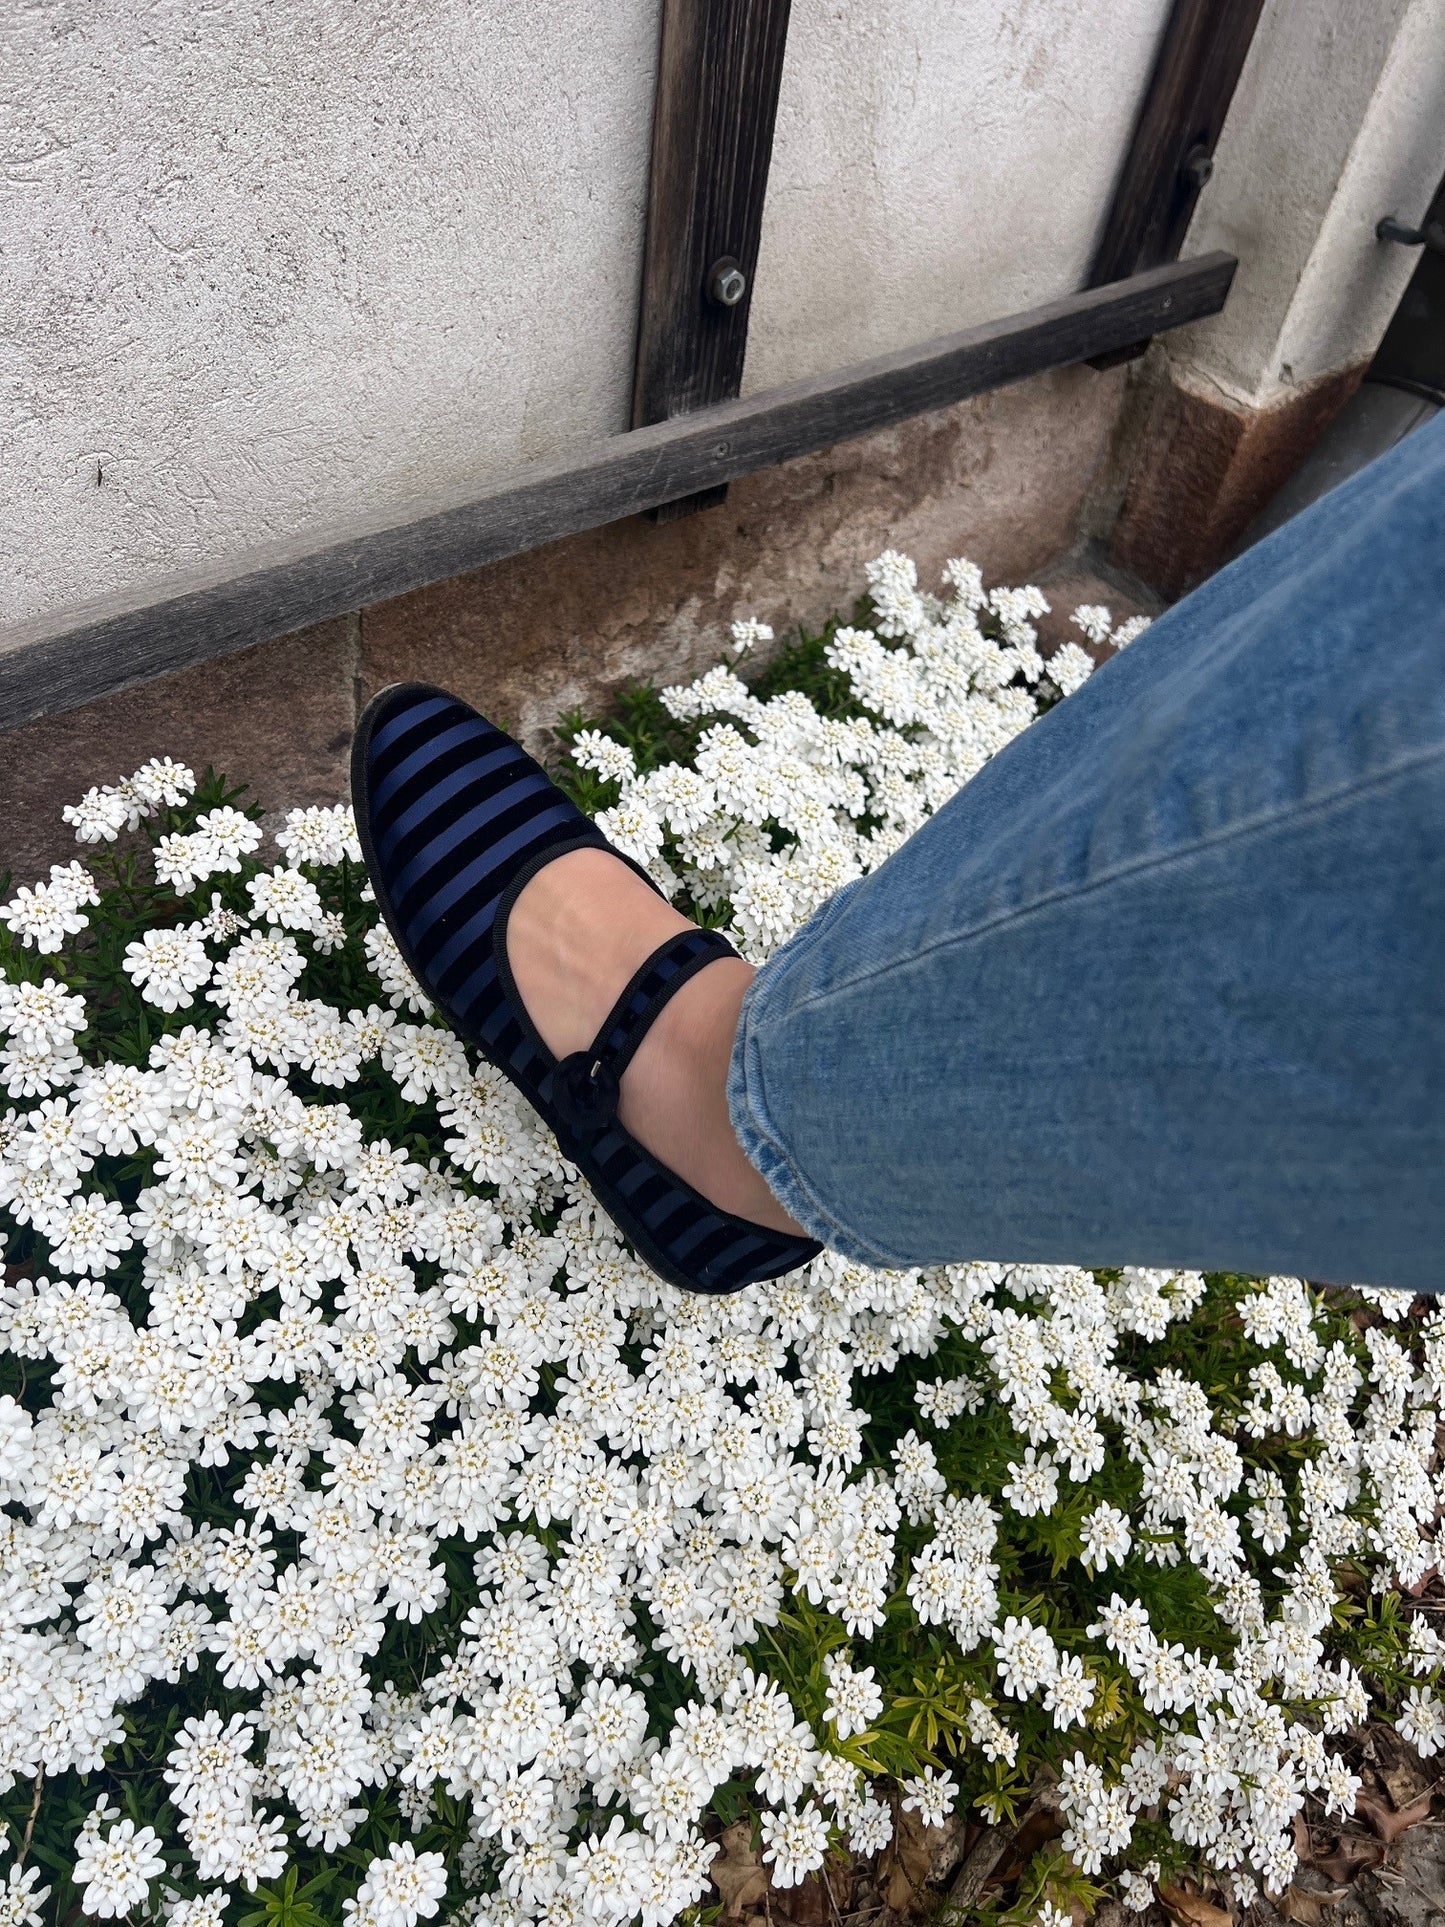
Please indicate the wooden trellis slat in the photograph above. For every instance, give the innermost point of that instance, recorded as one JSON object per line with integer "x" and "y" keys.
{"x": 48, "y": 665}
{"x": 1171, "y": 155}
{"x": 720, "y": 67}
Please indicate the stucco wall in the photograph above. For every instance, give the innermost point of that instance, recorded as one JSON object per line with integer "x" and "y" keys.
{"x": 1337, "y": 120}
{"x": 270, "y": 266}
{"x": 266, "y": 264}
{"x": 936, "y": 164}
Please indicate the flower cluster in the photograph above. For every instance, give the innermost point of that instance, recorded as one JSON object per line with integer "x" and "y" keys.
{"x": 779, "y": 804}
{"x": 400, "y": 1535}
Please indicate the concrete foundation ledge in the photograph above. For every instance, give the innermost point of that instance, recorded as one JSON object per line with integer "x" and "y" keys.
{"x": 1198, "y": 468}
{"x": 1003, "y": 478}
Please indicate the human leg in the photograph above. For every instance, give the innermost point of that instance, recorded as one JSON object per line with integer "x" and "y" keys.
{"x": 1162, "y": 985}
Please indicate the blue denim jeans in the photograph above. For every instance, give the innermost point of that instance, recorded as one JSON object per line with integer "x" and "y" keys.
{"x": 1165, "y": 983}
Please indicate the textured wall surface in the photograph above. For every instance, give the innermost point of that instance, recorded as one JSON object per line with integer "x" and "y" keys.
{"x": 269, "y": 267}
{"x": 938, "y": 163}
{"x": 266, "y": 263}
{"x": 266, "y": 266}
{"x": 1338, "y": 120}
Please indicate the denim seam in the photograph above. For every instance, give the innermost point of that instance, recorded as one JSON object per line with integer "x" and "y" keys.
{"x": 1250, "y": 827}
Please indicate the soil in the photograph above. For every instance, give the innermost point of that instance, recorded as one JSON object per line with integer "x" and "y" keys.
{"x": 1384, "y": 1867}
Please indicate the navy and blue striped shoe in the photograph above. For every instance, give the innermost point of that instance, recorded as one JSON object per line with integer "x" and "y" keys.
{"x": 455, "y": 819}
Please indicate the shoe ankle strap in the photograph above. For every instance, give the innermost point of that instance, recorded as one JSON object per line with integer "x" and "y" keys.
{"x": 586, "y": 1086}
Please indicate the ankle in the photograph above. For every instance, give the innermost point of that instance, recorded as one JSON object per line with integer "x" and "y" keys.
{"x": 579, "y": 930}
{"x": 674, "y": 1095}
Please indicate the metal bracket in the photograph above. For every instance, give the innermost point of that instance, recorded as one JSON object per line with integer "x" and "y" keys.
{"x": 1431, "y": 236}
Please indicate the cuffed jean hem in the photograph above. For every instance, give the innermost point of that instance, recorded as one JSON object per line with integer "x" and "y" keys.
{"x": 748, "y": 1104}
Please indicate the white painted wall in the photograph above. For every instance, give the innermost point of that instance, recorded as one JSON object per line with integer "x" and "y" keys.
{"x": 1339, "y": 118}
{"x": 938, "y": 163}
{"x": 269, "y": 264}
{"x": 268, "y": 268}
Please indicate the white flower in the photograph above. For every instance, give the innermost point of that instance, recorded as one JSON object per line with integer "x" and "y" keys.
{"x": 401, "y": 988}
{"x": 854, "y": 1698}
{"x": 205, "y": 1910}
{"x": 43, "y": 917}
{"x": 1070, "y": 1693}
{"x": 612, "y": 761}
{"x": 116, "y": 1870}
{"x": 168, "y": 967}
{"x": 160, "y": 781}
{"x": 794, "y": 1843}
{"x": 932, "y": 1796}
{"x": 400, "y": 1888}
{"x": 1033, "y": 1484}
{"x": 765, "y": 906}
{"x": 608, "y": 1874}
{"x": 1025, "y": 1656}
{"x": 1094, "y": 619}
{"x": 1070, "y": 667}
{"x": 990, "y": 1735}
{"x": 1137, "y": 1889}
{"x": 21, "y": 1898}
{"x": 99, "y": 816}
{"x": 1106, "y": 1537}
{"x": 1421, "y": 1720}
{"x": 633, "y": 828}
{"x": 1127, "y": 631}
{"x": 670, "y": 1794}
{"x": 88, "y": 1234}
{"x": 966, "y": 580}
{"x": 42, "y": 1014}
{"x": 718, "y": 691}
{"x": 286, "y": 897}
{"x": 320, "y": 836}
{"x": 893, "y": 584}
{"x": 747, "y": 634}
{"x": 182, "y": 861}
{"x": 225, "y": 835}
{"x": 917, "y": 1480}
{"x": 870, "y": 1829}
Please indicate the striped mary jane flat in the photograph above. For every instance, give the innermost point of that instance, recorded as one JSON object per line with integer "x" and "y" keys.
{"x": 455, "y": 819}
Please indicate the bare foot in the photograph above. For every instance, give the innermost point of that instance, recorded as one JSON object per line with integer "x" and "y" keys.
{"x": 577, "y": 932}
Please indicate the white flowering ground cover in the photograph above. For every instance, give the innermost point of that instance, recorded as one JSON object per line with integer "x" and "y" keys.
{"x": 380, "y": 1541}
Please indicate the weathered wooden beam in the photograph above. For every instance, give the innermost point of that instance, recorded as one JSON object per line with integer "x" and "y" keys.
{"x": 720, "y": 66}
{"x": 56, "y": 663}
{"x": 1171, "y": 156}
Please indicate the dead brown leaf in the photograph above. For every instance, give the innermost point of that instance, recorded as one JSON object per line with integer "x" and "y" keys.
{"x": 1398, "y": 1767}
{"x": 907, "y": 1860}
{"x": 1338, "y": 1856}
{"x": 1192, "y": 1910}
{"x": 1309, "y": 1908}
{"x": 805, "y": 1905}
{"x": 822, "y": 1897}
{"x": 1390, "y": 1822}
{"x": 1040, "y": 1824}
{"x": 737, "y": 1873}
{"x": 1353, "y": 1855}
{"x": 1406, "y": 1784}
